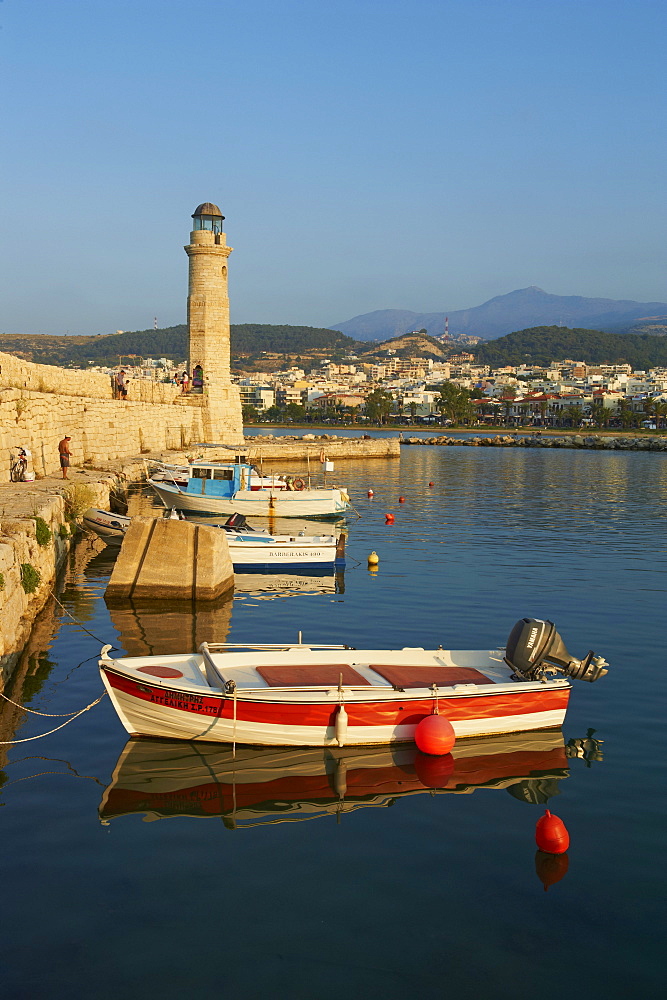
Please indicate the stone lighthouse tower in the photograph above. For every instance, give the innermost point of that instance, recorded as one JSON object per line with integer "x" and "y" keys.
{"x": 208, "y": 328}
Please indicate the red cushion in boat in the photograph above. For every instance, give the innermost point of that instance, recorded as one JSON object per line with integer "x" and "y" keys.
{"x": 158, "y": 671}
{"x": 423, "y": 677}
{"x": 310, "y": 674}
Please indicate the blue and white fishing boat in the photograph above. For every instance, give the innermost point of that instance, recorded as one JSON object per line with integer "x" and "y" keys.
{"x": 227, "y": 488}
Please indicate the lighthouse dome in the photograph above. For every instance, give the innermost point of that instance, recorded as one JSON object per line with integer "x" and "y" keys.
{"x": 207, "y": 208}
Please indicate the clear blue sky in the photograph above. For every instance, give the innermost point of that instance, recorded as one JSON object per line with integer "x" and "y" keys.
{"x": 368, "y": 154}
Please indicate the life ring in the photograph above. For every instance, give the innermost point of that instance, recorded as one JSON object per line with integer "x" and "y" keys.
{"x": 298, "y": 484}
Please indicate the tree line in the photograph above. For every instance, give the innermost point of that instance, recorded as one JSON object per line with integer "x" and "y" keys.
{"x": 544, "y": 344}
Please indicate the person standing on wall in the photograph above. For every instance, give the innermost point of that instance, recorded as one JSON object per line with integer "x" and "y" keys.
{"x": 121, "y": 385}
{"x": 65, "y": 452}
{"x": 185, "y": 382}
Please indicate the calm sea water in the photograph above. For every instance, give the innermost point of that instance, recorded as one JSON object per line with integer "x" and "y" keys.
{"x": 309, "y": 884}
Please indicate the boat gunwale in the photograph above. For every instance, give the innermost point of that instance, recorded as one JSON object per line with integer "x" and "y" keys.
{"x": 384, "y": 693}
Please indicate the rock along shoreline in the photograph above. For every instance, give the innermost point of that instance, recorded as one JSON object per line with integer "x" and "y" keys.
{"x": 596, "y": 442}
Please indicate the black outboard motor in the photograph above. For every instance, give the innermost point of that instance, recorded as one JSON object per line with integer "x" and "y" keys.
{"x": 535, "y": 648}
{"x": 237, "y": 522}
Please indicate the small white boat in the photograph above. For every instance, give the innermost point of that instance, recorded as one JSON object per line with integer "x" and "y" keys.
{"x": 227, "y": 488}
{"x": 303, "y": 695}
{"x": 248, "y": 548}
{"x": 110, "y": 527}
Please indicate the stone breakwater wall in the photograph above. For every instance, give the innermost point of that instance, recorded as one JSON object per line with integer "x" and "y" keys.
{"x": 102, "y": 429}
{"x": 310, "y": 446}
{"x": 594, "y": 441}
{"x": 26, "y": 375}
{"x": 31, "y": 558}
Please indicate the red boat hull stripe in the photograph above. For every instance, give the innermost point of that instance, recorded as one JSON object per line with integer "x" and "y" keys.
{"x": 378, "y": 713}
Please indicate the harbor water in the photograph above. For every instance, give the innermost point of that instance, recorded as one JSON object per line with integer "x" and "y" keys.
{"x": 132, "y": 868}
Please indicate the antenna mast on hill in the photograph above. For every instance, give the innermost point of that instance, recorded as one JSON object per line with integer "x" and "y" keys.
{"x": 155, "y": 322}
{"x": 446, "y": 327}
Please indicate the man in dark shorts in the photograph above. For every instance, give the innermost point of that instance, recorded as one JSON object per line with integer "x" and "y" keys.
{"x": 121, "y": 384}
{"x": 64, "y": 449}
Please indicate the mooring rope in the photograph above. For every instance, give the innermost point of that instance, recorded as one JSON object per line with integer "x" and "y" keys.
{"x": 48, "y": 715}
{"x": 76, "y": 622}
{"x": 28, "y": 739}
{"x": 71, "y": 716}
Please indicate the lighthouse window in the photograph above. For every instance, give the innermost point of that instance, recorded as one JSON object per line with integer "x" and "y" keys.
{"x": 214, "y": 224}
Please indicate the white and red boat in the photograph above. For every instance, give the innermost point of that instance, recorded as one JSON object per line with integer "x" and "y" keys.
{"x": 307, "y": 695}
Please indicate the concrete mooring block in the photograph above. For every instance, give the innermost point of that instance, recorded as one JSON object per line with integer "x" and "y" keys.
{"x": 173, "y": 560}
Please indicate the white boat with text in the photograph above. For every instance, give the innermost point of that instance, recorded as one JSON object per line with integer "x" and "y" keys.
{"x": 249, "y": 548}
{"x": 320, "y": 695}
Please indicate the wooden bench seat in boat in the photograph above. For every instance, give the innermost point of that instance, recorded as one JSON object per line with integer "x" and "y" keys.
{"x": 315, "y": 675}
{"x": 403, "y": 677}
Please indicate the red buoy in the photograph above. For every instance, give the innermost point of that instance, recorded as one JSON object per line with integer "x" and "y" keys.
{"x": 431, "y": 484}
{"x": 551, "y": 835}
{"x": 435, "y": 735}
{"x": 370, "y": 494}
{"x": 389, "y": 518}
{"x": 434, "y": 772}
{"x": 401, "y": 499}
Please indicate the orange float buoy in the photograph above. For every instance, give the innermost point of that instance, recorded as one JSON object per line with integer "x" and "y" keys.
{"x": 401, "y": 499}
{"x": 435, "y": 735}
{"x": 550, "y": 868}
{"x": 370, "y": 494}
{"x": 434, "y": 772}
{"x": 431, "y": 484}
{"x": 551, "y": 835}
{"x": 388, "y": 518}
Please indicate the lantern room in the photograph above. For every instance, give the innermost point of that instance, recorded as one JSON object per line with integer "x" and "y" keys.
{"x": 208, "y": 216}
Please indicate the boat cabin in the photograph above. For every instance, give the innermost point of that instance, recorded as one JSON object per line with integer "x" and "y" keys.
{"x": 219, "y": 479}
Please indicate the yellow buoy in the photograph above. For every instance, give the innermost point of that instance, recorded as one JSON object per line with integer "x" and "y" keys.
{"x": 373, "y": 559}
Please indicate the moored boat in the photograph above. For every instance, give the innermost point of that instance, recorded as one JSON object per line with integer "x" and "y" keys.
{"x": 216, "y": 488}
{"x": 308, "y": 695}
{"x": 249, "y": 548}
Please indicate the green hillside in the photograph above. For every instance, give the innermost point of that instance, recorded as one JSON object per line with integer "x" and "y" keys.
{"x": 542, "y": 344}
{"x": 170, "y": 342}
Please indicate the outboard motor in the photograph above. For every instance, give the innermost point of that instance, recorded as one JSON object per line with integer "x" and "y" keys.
{"x": 535, "y": 648}
{"x": 237, "y": 522}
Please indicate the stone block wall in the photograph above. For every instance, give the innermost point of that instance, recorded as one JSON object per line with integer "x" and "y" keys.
{"x": 25, "y": 375}
{"x": 19, "y": 547}
{"x": 101, "y": 429}
{"x": 39, "y": 404}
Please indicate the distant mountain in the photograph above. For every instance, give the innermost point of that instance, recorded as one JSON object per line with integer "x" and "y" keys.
{"x": 526, "y": 307}
{"x": 543, "y": 344}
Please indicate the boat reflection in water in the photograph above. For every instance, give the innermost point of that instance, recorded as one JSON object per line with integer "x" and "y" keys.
{"x": 269, "y": 585}
{"x": 260, "y": 785}
{"x": 151, "y": 628}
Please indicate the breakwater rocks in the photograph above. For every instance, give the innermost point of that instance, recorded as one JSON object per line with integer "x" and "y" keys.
{"x": 313, "y": 446}
{"x": 597, "y": 442}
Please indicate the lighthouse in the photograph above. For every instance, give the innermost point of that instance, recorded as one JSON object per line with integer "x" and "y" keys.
{"x": 208, "y": 327}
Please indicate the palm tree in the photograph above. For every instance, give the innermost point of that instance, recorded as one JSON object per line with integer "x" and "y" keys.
{"x": 543, "y": 410}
